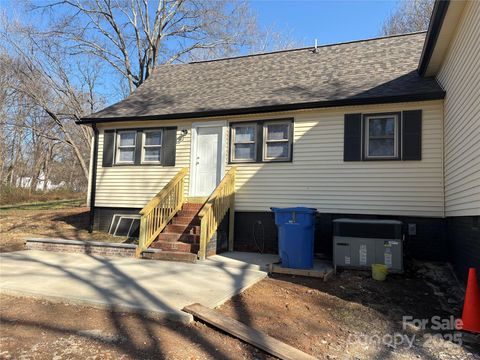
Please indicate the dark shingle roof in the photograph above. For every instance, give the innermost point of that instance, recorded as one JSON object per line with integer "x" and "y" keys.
{"x": 369, "y": 71}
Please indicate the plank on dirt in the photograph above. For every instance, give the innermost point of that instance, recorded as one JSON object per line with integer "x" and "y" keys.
{"x": 246, "y": 333}
{"x": 275, "y": 268}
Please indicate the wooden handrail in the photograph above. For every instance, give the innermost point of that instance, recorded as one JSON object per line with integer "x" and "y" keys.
{"x": 160, "y": 210}
{"x": 213, "y": 211}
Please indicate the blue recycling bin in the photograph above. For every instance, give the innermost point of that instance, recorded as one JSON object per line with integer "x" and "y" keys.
{"x": 296, "y": 233}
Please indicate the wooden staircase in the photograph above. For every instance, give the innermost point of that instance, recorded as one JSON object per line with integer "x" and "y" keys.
{"x": 181, "y": 235}
{"x": 175, "y": 228}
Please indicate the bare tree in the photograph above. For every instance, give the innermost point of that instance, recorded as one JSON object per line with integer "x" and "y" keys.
{"x": 51, "y": 84}
{"x": 4, "y": 143}
{"x": 134, "y": 36}
{"x": 50, "y": 72}
{"x": 410, "y": 16}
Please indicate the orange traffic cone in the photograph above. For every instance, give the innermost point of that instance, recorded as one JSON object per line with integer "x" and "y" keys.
{"x": 471, "y": 306}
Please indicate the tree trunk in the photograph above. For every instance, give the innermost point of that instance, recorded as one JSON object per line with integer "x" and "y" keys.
{"x": 46, "y": 167}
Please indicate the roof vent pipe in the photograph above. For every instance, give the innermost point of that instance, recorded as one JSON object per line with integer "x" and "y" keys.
{"x": 316, "y": 46}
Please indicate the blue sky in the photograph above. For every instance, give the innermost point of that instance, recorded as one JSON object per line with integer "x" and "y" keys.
{"x": 328, "y": 21}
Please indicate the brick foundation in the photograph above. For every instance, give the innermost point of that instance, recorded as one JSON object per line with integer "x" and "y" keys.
{"x": 82, "y": 247}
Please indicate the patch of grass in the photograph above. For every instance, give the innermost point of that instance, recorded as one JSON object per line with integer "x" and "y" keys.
{"x": 11, "y": 195}
{"x": 46, "y": 205}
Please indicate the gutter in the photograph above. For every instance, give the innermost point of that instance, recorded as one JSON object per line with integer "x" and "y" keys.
{"x": 436, "y": 21}
{"x": 437, "y": 95}
{"x": 93, "y": 185}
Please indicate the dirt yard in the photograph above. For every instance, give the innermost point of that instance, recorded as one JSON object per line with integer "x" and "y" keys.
{"x": 42, "y": 221}
{"x": 333, "y": 320}
{"x": 349, "y": 317}
{"x": 354, "y": 317}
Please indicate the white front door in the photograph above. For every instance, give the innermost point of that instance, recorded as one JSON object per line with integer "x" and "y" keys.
{"x": 207, "y": 160}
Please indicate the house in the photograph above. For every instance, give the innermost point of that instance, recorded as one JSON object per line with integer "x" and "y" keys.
{"x": 26, "y": 183}
{"x": 377, "y": 128}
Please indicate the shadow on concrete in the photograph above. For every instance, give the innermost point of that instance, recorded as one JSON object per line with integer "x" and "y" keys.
{"x": 152, "y": 346}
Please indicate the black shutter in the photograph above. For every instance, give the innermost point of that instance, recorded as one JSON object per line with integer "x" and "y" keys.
{"x": 412, "y": 135}
{"x": 108, "y": 148}
{"x": 138, "y": 147}
{"x": 259, "y": 139}
{"x": 169, "y": 144}
{"x": 352, "y": 141}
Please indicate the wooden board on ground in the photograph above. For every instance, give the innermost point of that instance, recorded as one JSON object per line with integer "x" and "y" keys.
{"x": 318, "y": 271}
{"x": 246, "y": 333}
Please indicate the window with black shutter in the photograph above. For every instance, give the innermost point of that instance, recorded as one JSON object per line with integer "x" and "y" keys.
{"x": 383, "y": 136}
{"x": 149, "y": 146}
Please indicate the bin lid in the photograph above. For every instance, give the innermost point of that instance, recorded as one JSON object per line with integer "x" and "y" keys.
{"x": 295, "y": 209}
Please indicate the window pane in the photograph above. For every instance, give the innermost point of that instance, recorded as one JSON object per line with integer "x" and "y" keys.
{"x": 127, "y": 155}
{"x": 245, "y": 133}
{"x": 277, "y": 132}
{"x": 152, "y": 154}
{"x": 153, "y": 138}
{"x": 381, "y": 147}
{"x": 382, "y": 127}
{"x": 277, "y": 150}
{"x": 127, "y": 138}
{"x": 244, "y": 151}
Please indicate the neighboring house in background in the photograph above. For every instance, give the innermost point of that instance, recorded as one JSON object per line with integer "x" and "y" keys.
{"x": 362, "y": 128}
{"x": 26, "y": 182}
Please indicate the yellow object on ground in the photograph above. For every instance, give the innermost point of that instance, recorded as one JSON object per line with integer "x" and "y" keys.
{"x": 379, "y": 272}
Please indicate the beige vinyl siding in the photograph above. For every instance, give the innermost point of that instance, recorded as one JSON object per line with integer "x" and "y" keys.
{"x": 133, "y": 186}
{"x": 318, "y": 177}
{"x": 460, "y": 77}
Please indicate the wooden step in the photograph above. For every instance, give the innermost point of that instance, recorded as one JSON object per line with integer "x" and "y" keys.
{"x": 176, "y": 246}
{"x": 187, "y": 213}
{"x": 192, "y": 206}
{"x": 157, "y": 254}
{"x": 182, "y": 228}
{"x": 188, "y": 238}
{"x": 186, "y": 220}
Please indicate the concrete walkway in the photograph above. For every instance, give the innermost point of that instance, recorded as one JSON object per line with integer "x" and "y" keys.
{"x": 158, "y": 288}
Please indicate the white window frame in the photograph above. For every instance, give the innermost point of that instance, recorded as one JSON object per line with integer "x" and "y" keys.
{"x": 144, "y": 145}
{"x": 395, "y": 136}
{"x": 234, "y": 142}
{"x": 288, "y": 140}
{"x": 118, "y": 147}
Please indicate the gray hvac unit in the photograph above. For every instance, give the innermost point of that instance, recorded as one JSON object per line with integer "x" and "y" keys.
{"x": 361, "y": 243}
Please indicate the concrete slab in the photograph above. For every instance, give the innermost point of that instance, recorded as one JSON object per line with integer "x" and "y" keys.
{"x": 156, "y": 288}
{"x": 243, "y": 260}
